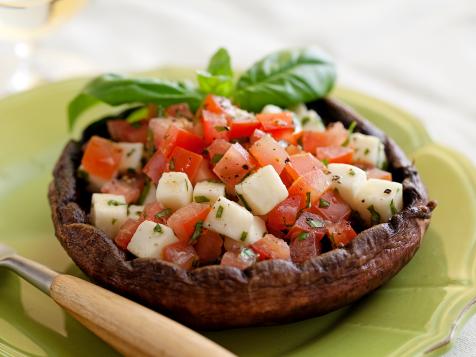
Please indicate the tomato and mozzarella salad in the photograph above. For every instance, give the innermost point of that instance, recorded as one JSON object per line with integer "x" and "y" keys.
{"x": 226, "y": 186}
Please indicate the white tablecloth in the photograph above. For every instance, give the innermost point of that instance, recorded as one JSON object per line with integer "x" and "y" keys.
{"x": 419, "y": 55}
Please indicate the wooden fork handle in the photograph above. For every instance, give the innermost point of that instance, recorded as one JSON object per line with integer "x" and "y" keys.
{"x": 130, "y": 328}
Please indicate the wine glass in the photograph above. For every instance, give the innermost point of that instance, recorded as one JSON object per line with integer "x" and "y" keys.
{"x": 22, "y": 22}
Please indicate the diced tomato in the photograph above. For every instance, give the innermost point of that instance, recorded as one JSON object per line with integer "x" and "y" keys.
{"x": 271, "y": 247}
{"x": 243, "y": 127}
{"x": 332, "y": 207}
{"x": 217, "y": 149}
{"x": 209, "y": 246}
{"x": 379, "y": 174}
{"x": 234, "y": 166}
{"x": 310, "y": 186}
{"x": 218, "y": 105}
{"x": 156, "y": 166}
{"x": 283, "y": 216}
{"x": 182, "y": 160}
{"x": 181, "y": 110}
{"x": 101, "y": 158}
{"x": 335, "y": 154}
{"x": 334, "y": 135}
{"x": 128, "y": 186}
{"x": 308, "y": 222}
{"x": 240, "y": 260}
{"x": 286, "y": 135}
{"x": 340, "y": 233}
{"x": 301, "y": 164}
{"x": 232, "y": 245}
{"x": 181, "y": 254}
{"x": 176, "y": 136}
{"x": 215, "y": 126}
{"x": 204, "y": 173}
{"x": 156, "y": 212}
{"x": 257, "y": 134}
{"x": 294, "y": 150}
{"x": 160, "y": 126}
{"x": 267, "y": 151}
{"x": 122, "y": 130}
{"x": 276, "y": 121}
{"x": 305, "y": 247}
{"x": 126, "y": 232}
{"x": 184, "y": 220}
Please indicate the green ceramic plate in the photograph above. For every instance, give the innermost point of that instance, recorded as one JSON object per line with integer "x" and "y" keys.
{"x": 413, "y": 313}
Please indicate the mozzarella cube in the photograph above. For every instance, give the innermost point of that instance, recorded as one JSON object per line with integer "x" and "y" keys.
{"x": 108, "y": 212}
{"x": 347, "y": 180}
{"x": 262, "y": 190}
{"x": 150, "y": 195}
{"x": 150, "y": 239}
{"x": 131, "y": 156}
{"x": 377, "y": 200}
{"x": 229, "y": 218}
{"x": 309, "y": 119}
{"x": 208, "y": 192}
{"x": 368, "y": 149}
{"x": 174, "y": 190}
{"x": 134, "y": 211}
{"x": 271, "y": 109}
{"x": 256, "y": 231}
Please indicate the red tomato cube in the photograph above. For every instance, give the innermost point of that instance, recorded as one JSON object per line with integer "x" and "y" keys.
{"x": 180, "y": 110}
{"x": 305, "y": 247}
{"x": 182, "y": 160}
{"x": 215, "y": 126}
{"x": 156, "y": 212}
{"x": 217, "y": 149}
{"x": 257, "y": 134}
{"x": 209, "y": 246}
{"x": 181, "y": 254}
{"x": 160, "y": 126}
{"x": 126, "y": 232}
{"x": 310, "y": 187}
{"x": 334, "y": 135}
{"x": 379, "y": 174}
{"x": 184, "y": 220}
{"x": 332, "y": 207}
{"x": 308, "y": 222}
{"x": 301, "y": 164}
{"x": 267, "y": 151}
{"x": 101, "y": 158}
{"x": 271, "y": 247}
{"x": 335, "y": 154}
{"x": 204, "y": 173}
{"x": 283, "y": 216}
{"x": 243, "y": 127}
{"x": 276, "y": 121}
{"x": 340, "y": 233}
{"x": 234, "y": 166}
{"x": 128, "y": 186}
{"x": 218, "y": 105}
{"x": 240, "y": 260}
{"x": 156, "y": 166}
{"x": 122, "y": 130}
{"x": 176, "y": 136}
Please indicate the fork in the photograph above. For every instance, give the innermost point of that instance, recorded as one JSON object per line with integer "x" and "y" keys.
{"x": 128, "y": 327}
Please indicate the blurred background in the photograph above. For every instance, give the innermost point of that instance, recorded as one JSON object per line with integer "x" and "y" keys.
{"x": 419, "y": 55}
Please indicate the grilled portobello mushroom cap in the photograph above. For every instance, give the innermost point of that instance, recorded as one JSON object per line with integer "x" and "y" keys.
{"x": 271, "y": 291}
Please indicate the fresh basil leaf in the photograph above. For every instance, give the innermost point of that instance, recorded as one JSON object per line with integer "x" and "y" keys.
{"x": 114, "y": 89}
{"x": 218, "y": 78}
{"x": 286, "y": 78}
{"x": 220, "y": 64}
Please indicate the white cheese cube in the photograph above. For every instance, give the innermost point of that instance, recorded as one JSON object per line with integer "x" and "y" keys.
{"x": 131, "y": 156}
{"x": 256, "y": 231}
{"x": 229, "y": 218}
{"x": 368, "y": 149}
{"x": 174, "y": 190}
{"x": 262, "y": 190}
{"x": 134, "y": 211}
{"x": 309, "y": 119}
{"x": 108, "y": 212}
{"x": 377, "y": 200}
{"x": 347, "y": 179}
{"x": 150, "y": 239}
{"x": 150, "y": 194}
{"x": 271, "y": 109}
{"x": 208, "y": 192}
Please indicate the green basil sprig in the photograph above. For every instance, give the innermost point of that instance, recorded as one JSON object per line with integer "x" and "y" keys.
{"x": 283, "y": 78}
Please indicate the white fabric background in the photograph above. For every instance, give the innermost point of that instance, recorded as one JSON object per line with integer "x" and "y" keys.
{"x": 419, "y": 55}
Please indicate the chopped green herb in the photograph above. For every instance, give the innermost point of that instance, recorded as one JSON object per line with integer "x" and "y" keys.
{"x": 219, "y": 212}
{"x": 393, "y": 209}
{"x": 305, "y": 120}
{"x": 158, "y": 228}
{"x": 351, "y": 172}
{"x": 164, "y": 213}
{"x": 221, "y": 128}
{"x": 172, "y": 164}
{"x": 244, "y": 235}
{"x": 308, "y": 199}
{"x": 186, "y": 184}
{"x": 83, "y": 175}
{"x": 299, "y": 141}
{"x": 130, "y": 152}
{"x": 144, "y": 192}
{"x": 197, "y": 231}
{"x": 375, "y": 216}
{"x": 114, "y": 220}
{"x": 366, "y": 151}
{"x": 350, "y": 130}
{"x": 323, "y": 203}
{"x": 314, "y": 223}
{"x": 245, "y": 204}
{"x": 303, "y": 236}
{"x": 216, "y": 158}
{"x": 325, "y": 162}
{"x": 114, "y": 203}
{"x": 136, "y": 124}
{"x": 201, "y": 199}
{"x": 131, "y": 171}
{"x": 247, "y": 253}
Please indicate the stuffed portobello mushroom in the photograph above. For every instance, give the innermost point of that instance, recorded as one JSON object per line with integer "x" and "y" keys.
{"x": 232, "y": 204}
